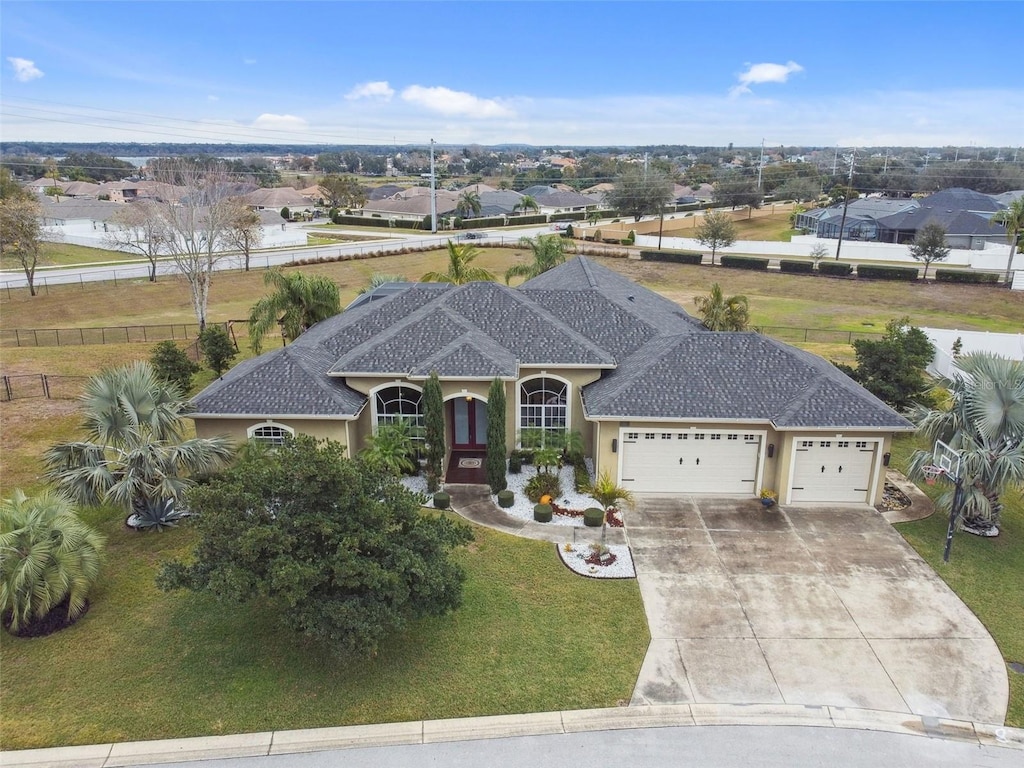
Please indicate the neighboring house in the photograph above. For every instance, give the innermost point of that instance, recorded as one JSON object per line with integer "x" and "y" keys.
{"x": 553, "y": 200}
{"x": 278, "y": 198}
{"x": 384, "y": 192}
{"x": 414, "y": 205}
{"x": 964, "y": 229}
{"x": 499, "y": 202}
{"x": 861, "y": 217}
{"x": 78, "y": 216}
{"x": 662, "y": 404}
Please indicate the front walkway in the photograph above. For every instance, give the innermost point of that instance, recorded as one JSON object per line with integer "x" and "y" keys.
{"x": 818, "y": 606}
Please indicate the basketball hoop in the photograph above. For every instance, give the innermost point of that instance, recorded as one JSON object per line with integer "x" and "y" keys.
{"x": 931, "y": 473}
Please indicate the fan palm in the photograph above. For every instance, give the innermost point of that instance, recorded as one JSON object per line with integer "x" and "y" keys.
{"x": 1013, "y": 219}
{"x": 460, "y": 267}
{"x": 526, "y": 203}
{"x": 393, "y": 448}
{"x": 548, "y": 253}
{"x": 723, "y": 313}
{"x": 469, "y": 203}
{"x": 299, "y": 301}
{"x": 135, "y": 454}
{"x": 47, "y": 555}
{"x": 982, "y": 419}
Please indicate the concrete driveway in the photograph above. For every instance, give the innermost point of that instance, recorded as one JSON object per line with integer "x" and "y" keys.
{"x": 803, "y": 605}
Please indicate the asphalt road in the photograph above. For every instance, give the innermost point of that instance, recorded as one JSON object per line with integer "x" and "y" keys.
{"x": 707, "y": 747}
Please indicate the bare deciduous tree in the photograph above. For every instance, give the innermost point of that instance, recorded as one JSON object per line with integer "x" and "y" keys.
{"x": 140, "y": 227}
{"x": 20, "y": 234}
{"x": 244, "y": 231}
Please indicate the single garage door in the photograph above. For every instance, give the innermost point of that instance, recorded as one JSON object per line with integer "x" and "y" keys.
{"x": 833, "y": 470}
{"x": 688, "y": 461}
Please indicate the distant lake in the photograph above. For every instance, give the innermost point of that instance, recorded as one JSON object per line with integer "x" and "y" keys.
{"x": 138, "y": 162}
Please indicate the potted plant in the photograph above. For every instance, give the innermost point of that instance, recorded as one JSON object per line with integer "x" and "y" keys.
{"x": 768, "y": 497}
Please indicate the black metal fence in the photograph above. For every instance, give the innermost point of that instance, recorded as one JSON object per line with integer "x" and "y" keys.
{"x": 73, "y": 337}
{"x": 814, "y": 335}
{"x": 21, "y": 386}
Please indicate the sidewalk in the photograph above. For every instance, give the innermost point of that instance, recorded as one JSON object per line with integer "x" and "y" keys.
{"x": 505, "y": 726}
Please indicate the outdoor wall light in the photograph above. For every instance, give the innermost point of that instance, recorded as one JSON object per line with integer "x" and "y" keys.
{"x": 771, "y": 450}
{"x": 885, "y": 459}
{"x": 615, "y": 445}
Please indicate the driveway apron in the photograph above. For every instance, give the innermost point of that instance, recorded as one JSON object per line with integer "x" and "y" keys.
{"x": 802, "y": 605}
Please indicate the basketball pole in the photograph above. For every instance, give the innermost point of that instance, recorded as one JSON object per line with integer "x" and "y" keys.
{"x": 954, "y": 512}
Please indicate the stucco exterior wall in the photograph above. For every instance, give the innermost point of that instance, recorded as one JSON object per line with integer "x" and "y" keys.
{"x": 237, "y": 429}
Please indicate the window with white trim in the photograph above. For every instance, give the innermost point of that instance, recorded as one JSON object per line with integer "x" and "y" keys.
{"x": 271, "y": 434}
{"x": 400, "y": 403}
{"x": 544, "y": 404}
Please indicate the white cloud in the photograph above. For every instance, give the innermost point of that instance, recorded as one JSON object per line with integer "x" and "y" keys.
{"x": 249, "y": 62}
{"x": 379, "y": 89}
{"x": 211, "y": 97}
{"x": 280, "y": 122}
{"x": 764, "y": 73}
{"x": 24, "y": 70}
{"x": 454, "y": 103}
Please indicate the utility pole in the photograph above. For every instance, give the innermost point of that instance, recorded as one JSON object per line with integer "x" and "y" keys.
{"x": 760, "y": 166}
{"x": 645, "y": 166}
{"x": 846, "y": 203}
{"x": 885, "y": 168}
{"x": 835, "y": 162}
{"x": 433, "y": 192}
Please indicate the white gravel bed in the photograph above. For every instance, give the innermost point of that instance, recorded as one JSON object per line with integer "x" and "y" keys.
{"x": 568, "y": 498}
{"x": 417, "y": 484}
{"x": 575, "y": 555}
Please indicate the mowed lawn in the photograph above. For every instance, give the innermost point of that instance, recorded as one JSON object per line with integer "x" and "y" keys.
{"x": 142, "y": 664}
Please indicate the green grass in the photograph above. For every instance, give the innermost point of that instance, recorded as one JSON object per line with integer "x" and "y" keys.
{"x": 68, "y": 255}
{"x": 987, "y": 574}
{"x": 531, "y": 636}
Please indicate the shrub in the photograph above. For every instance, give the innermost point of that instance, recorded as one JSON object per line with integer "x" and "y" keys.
{"x": 874, "y": 272}
{"x": 285, "y": 213}
{"x": 630, "y": 238}
{"x": 675, "y": 257}
{"x": 542, "y": 513}
{"x": 442, "y": 500}
{"x": 802, "y": 267}
{"x": 218, "y": 351}
{"x": 515, "y": 462}
{"x": 543, "y": 484}
{"x": 838, "y": 268}
{"x": 744, "y": 262}
{"x": 569, "y": 231}
{"x": 580, "y": 477}
{"x": 506, "y": 498}
{"x": 172, "y": 364}
{"x": 963, "y": 276}
{"x": 593, "y": 517}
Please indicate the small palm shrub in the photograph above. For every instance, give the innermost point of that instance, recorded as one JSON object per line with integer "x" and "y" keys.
{"x": 48, "y": 558}
{"x": 543, "y": 484}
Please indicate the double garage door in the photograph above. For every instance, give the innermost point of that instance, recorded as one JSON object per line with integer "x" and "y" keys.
{"x": 833, "y": 470}
{"x": 688, "y": 461}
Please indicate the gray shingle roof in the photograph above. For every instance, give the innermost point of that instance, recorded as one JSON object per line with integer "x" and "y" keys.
{"x": 735, "y": 376}
{"x": 284, "y": 382}
{"x": 954, "y": 222}
{"x": 960, "y": 199}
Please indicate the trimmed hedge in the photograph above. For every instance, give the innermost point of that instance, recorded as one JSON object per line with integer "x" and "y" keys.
{"x": 535, "y": 218}
{"x": 506, "y": 498}
{"x": 963, "y": 276}
{"x": 483, "y": 221}
{"x": 675, "y": 257}
{"x": 442, "y": 500}
{"x": 593, "y": 517}
{"x": 801, "y": 267}
{"x": 839, "y": 268}
{"x": 744, "y": 262}
{"x": 542, "y": 513}
{"x": 569, "y": 216}
{"x": 374, "y": 221}
{"x": 874, "y": 272}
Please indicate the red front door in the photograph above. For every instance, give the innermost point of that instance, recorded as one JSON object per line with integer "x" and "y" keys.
{"x": 469, "y": 424}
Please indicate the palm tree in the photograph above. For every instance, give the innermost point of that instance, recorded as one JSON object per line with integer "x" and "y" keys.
{"x": 377, "y": 279}
{"x": 593, "y": 217}
{"x": 135, "y": 454}
{"x": 392, "y": 448}
{"x": 608, "y": 494}
{"x": 983, "y": 420}
{"x": 548, "y": 253}
{"x": 723, "y": 313}
{"x": 1013, "y": 219}
{"x": 460, "y": 269}
{"x": 526, "y": 203}
{"x": 469, "y": 203}
{"x": 47, "y": 556}
{"x": 299, "y": 301}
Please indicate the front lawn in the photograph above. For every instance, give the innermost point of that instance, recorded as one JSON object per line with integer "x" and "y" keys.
{"x": 987, "y": 574}
{"x": 142, "y": 664}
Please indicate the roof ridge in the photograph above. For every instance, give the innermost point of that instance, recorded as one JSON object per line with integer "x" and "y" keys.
{"x": 585, "y": 266}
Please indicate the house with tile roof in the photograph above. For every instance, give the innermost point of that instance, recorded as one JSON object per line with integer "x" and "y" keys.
{"x": 662, "y": 404}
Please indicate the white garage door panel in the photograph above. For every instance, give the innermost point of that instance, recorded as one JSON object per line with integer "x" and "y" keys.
{"x": 684, "y": 461}
{"x": 832, "y": 470}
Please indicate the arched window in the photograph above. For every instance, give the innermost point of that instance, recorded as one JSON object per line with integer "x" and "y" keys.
{"x": 400, "y": 403}
{"x": 543, "y": 405}
{"x": 271, "y": 434}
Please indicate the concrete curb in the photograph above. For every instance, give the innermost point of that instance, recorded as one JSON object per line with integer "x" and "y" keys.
{"x": 506, "y": 726}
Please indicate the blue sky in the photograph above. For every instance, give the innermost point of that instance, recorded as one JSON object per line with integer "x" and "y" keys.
{"x": 545, "y": 73}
